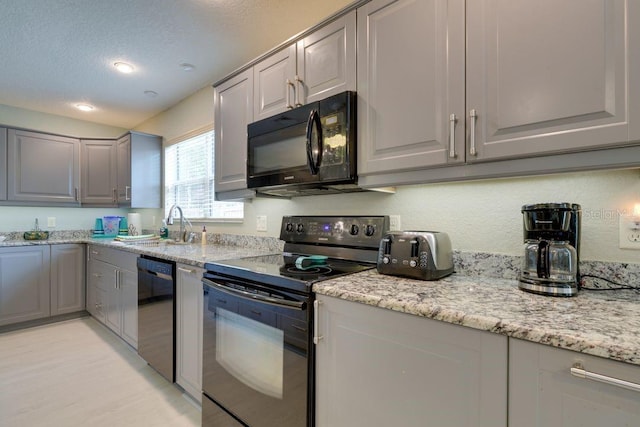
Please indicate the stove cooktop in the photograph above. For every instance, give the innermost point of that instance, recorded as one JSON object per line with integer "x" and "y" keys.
{"x": 280, "y": 269}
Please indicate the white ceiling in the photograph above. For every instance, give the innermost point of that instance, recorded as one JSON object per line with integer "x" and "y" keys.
{"x": 58, "y": 53}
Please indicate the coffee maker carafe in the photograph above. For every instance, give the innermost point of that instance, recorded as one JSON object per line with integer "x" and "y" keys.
{"x": 551, "y": 249}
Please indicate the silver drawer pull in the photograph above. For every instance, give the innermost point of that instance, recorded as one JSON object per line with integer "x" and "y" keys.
{"x": 186, "y": 270}
{"x": 578, "y": 371}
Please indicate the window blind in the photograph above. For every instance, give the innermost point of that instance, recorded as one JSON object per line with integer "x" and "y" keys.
{"x": 189, "y": 178}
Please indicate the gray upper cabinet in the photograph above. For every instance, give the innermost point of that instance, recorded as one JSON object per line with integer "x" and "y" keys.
{"x": 139, "y": 170}
{"x": 410, "y": 85}
{"x": 315, "y": 67}
{"x": 233, "y": 111}
{"x": 42, "y": 169}
{"x": 548, "y": 76}
{"x": 3, "y": 163}
{"x": 99, "y": 172}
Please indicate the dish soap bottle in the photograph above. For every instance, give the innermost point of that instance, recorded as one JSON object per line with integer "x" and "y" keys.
{"x": 164, "y": 230}
{"x": 204, "y": 235}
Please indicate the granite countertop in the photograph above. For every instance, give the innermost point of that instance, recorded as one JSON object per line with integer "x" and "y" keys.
{"x": 605, "y": 324}
{"x": 193, "y": 254}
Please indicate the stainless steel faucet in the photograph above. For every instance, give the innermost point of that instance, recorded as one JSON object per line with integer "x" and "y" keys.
{"x": 183, "y": 233}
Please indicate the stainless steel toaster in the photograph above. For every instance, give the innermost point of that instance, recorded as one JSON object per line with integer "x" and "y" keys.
{"x": 425, "y": 255}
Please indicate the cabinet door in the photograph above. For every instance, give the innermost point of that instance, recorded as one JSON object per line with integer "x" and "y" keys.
{"x": 233, "y": 111}
{"x": 99, "y": 172}
{"x": 327, "y": 61}
{"x": 189, "y": 302}
{"x": 547, "y": 76}
{"x": 123, "y": 155}
{"x": 24, "y": 283}
{"x": 43, "y": 168}
{"x": 273, "y": 94}
{"x": 128, "y": 286}
{"x": 3, "y": 163}
{"x": 67, "y": 279}
{"x": 416, "y": 371}
{"x": 542, "y": 391}
{"x": 410, "y": 81}
{"x": 140, "y": 170}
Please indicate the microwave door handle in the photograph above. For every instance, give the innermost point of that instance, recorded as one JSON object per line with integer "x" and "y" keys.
{"x": 313, "y": 123}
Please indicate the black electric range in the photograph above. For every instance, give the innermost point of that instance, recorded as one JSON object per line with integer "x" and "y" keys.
{"x": 258, "y": 349}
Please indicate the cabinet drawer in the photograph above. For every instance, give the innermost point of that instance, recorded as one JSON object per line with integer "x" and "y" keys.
{"x": 123, "y": 259}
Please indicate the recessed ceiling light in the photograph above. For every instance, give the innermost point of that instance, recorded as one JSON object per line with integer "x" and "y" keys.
{"x": 150, "y": 93}
{"x": 84, "y": 107}
{"x": 123, "y": 67}
{"x": 187, "y": 67}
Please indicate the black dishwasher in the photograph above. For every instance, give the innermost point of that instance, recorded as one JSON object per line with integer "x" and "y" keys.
{"x": 156, "y": 314}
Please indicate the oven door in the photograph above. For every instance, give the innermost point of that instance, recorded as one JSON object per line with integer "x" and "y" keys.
{"x": 256, "y": 361}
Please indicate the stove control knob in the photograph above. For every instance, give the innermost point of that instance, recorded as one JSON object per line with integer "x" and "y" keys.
{"x": 338, "y": 228}
{"x": 370, "y": 230}
{"x": 288, "y": 227}
{"x": 354, "y": 229}
{"x": 300, "y": 227}
{"x": 385, "y": 260}
{"x": 413, "y": 263}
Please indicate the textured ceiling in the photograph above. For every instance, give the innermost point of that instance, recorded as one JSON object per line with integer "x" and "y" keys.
{"x": 57, "y": 53}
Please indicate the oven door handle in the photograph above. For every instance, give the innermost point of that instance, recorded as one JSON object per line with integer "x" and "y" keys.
{"x": 296, "y": 305}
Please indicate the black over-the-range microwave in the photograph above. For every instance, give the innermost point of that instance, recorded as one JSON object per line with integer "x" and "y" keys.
{"x": 306, "y": 150}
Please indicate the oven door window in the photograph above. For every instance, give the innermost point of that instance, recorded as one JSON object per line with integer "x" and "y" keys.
{"x": 239, "y": 340}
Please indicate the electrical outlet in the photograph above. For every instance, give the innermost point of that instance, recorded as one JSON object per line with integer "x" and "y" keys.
{"x": 394, "y": 223}
{"x": 51, "y": 221}
{"x": 261, "y": 223}
{"x": 629, "y": 232}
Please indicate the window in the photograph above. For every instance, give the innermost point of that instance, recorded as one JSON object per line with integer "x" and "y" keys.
{"x": 188, "y": 180}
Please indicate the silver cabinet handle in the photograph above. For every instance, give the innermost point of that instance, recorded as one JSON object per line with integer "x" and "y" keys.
{"x": 95, "y": 252}
{"x": 186, "y": 270}
{"x": 75, "y": 194}
{"x": 286, "y": 88}
{"x": 316, "y": 317}
{"x": 473, "y": 114}
{"x": 127, "y": 193}
{"x": 578, "y": 371}
{"x": 115, "y": 195}
{"x": 299, "y": 89}
{"x": 452, "y": 136}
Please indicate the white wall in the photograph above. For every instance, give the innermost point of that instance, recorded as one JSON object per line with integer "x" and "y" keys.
{"x": 51, "y": 123}
{"x": 479, "y": 216}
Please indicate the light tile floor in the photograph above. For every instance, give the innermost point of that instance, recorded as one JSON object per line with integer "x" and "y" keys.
{"x": 78, "y": 373}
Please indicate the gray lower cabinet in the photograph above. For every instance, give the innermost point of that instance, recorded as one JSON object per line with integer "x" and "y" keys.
{"x": 42, "y": 168}
{"x": 543, "y": 392}
{"x": 3, "y": 163}
{"x": 24, "y": 283}
{"x": 139, "y": 170}
{"x": 236, "y": 95}
{"x": 99, "y": 172}
{"x": 377, "y": 367}
{"x": 113, "y": 291}
{"x": 189, "y": 300}
{"x": 67, "y": 278}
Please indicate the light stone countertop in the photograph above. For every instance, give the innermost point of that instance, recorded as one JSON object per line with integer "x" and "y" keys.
{"x": 605, "y": 324}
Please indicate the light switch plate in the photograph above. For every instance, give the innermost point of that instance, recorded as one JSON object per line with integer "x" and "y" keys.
{"x": 629, "y": 232}
{"x": 261, "y": 223}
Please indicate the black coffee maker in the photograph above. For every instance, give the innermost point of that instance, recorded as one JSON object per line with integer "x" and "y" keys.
{"x": 551, "y": 249}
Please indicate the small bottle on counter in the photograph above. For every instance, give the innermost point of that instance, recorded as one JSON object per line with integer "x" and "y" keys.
{"x": 204, "y": 235}
{"x": 164, "y": 230}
